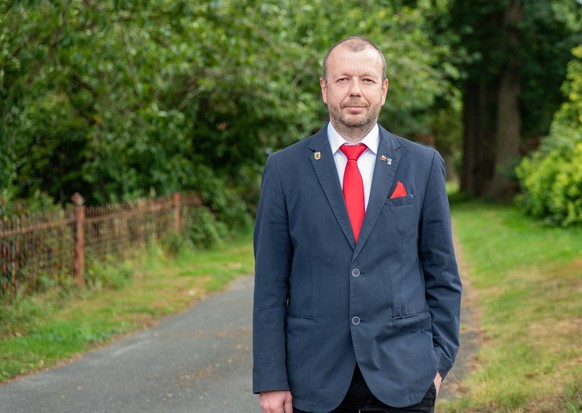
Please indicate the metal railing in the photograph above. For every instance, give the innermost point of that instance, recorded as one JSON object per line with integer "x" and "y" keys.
{"x": 51, "y": 246}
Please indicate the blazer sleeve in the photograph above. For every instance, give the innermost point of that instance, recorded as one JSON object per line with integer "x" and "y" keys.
{"x": 273, "y": 256}
{"x": 442, "y": 281}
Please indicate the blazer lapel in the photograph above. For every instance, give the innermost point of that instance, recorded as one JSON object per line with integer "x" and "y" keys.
{"x": 382, "y": 181}
{"x": 326, "y": 171}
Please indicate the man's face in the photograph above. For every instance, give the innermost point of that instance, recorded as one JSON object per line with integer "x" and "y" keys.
{"x": 354, "y": 90}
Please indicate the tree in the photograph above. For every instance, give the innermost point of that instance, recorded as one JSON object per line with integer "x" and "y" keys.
{"x": 119, "y": 99}
{"x": 516, "y": 53}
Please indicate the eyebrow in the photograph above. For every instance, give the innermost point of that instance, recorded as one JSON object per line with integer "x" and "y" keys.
{"x": 342, "y": 74}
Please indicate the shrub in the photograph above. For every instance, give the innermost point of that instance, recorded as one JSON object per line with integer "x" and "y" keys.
{"x": 205, "y": 230}
{"x": 551, "y": 178}
{"x": 552, "y": 183}
{"x": 110, "y": 274}
{"x": 566, "y": 195}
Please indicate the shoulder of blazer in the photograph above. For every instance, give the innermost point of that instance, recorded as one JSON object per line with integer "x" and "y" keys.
{"x": 311, "y": 143}
{"x": 408, "y": 146}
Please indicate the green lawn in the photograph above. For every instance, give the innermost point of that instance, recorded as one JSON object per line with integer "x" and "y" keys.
{"x": 43, "y": 330}
{"x": 528, "y": 280}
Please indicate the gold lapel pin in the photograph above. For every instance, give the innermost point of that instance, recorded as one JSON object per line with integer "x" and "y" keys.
{"x": 317, "y": 156}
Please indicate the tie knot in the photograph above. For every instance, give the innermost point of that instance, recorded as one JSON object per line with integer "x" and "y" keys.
{"x": 353, "y": 152}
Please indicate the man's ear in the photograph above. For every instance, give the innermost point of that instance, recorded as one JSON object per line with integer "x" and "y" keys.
{"x": 385, "y": 85}
{"x": 323, "y": 89}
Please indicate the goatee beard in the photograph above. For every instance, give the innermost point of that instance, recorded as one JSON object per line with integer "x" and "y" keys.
{"x": 354, "y": 131}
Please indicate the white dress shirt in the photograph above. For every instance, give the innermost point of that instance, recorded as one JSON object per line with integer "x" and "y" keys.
{"x": 366, "y": 161}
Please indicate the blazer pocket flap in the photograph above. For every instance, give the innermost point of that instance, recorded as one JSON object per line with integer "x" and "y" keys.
{"x": 401, "y": 201}
{"x": 419, "y": 321}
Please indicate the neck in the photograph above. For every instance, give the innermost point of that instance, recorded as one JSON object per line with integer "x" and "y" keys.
{"x": 352, "y": 134}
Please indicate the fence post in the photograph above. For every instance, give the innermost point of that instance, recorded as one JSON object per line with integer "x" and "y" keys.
{"x": 79, "y": 263}
{"x": 176, "y": 201}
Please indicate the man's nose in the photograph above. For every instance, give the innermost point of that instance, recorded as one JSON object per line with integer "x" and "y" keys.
{"x": 355, "y": 88}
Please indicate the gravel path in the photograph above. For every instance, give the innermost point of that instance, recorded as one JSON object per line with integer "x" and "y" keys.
{"x": 470, "y": 334}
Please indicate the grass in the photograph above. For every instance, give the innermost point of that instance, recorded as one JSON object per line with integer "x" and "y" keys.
{"x": 44, "y": 330}
{"x": 528, "y": 279}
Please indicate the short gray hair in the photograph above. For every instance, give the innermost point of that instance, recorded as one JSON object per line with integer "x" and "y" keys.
{"x": 355, "y": 44}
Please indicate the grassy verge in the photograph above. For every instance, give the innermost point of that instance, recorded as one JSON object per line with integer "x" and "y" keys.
{"x": 528, "y": 279}
{"x": 41, "y": 331}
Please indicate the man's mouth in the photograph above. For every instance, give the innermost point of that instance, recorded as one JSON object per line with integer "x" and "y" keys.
{"x": 354, "y": 106}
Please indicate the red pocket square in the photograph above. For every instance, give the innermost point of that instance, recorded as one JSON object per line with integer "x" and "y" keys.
{"x": 399, "y": 192}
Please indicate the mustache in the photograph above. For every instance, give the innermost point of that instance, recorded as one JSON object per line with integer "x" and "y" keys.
{"x": 354, "y": 103}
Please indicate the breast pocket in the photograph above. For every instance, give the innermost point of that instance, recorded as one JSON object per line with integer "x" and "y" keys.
{"x": 401, "y": 201}
{"x": 401, "y": 213}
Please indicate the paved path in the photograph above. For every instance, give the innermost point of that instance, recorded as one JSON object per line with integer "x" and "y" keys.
{"x": 196, "y": 362}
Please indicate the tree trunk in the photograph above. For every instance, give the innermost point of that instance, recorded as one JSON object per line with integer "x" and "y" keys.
{"x": 508, "y": 132}
{"x": 492, "y": 116}
{"x": 478, "y": 137}
{"x": 470, "y": 138}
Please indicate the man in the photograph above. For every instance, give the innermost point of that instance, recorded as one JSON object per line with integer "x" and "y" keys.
{"x": 357, "y": 292}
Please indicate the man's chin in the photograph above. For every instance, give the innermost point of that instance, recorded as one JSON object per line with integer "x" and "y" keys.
{"x": 354, "y": 122}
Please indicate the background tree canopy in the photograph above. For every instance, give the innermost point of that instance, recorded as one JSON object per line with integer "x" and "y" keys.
{"x": 514, "y": 57}
{"x": 120, "y": 99}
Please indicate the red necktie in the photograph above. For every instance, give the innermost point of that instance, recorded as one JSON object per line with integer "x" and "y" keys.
{"x": 354, "y": 187}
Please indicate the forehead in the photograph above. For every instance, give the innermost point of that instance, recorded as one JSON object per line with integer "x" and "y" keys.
{"x": 343, "y": 60}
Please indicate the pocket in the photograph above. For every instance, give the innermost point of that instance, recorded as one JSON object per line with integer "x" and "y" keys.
{"x": 301, "y": 333}
{"x": 428, "y": 401}
{"x": 416, "y": 322}
{"x": 401, "y": 201}
{"x": 401, "y": 214}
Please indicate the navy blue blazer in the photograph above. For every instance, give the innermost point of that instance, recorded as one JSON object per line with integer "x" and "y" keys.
{"x": 323, "y": 303}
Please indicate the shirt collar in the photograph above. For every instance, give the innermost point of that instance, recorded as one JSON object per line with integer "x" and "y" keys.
{"x": 371, "y": 140}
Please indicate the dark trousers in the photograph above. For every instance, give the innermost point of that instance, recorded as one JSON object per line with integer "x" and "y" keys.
{"x": 360, "y": 399}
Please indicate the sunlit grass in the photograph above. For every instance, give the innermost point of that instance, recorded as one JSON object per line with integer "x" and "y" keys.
{"x": 41, "y": 331}
{"x": 528, "y": 279}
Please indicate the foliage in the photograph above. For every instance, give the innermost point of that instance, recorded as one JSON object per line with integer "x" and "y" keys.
{"x": 547, "y": 33}
{"x": 123, "y": 99}
{"x": 204, "y": 231}
{"x": 109, "y": 275}
{"x": 119, "y": 100}
{"x": 511, "y": 56}
{"x": 551, "y": 178}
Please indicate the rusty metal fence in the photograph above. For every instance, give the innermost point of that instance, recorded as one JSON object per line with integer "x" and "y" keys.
{"x": 54, "y": 246}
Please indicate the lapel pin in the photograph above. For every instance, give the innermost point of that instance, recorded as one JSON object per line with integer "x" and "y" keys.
{"x": 317, "y": 156}
{"x": 386, "y": 159}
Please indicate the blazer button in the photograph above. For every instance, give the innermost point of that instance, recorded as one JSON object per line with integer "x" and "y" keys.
{"x": 356, "y": 321}
{"x": 355, "y": 273}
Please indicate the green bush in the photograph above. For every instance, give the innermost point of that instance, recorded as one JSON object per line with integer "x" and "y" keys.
{"x": 110, "y": 274}
{"x": 566, "y": 195}
{"x": 551, "y": 178}
{"x": 552, "y": 184}
{"x": 172, "y": 243}
{"x": 205, "y": 230}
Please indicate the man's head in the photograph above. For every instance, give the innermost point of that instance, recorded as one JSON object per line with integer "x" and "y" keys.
{"x": 354, "y": 86}
{"x": 355, "y": 44}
